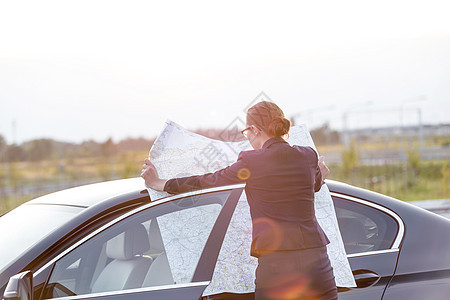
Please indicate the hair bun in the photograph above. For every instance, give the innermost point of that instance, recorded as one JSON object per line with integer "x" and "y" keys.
{"x": 279, "y": 126}
{"x": 268, "y": 117}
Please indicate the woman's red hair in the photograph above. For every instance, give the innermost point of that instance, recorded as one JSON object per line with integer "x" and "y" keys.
{"x": 268, "y": 117}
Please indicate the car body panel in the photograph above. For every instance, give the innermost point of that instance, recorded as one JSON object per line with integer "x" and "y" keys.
{"x": 372, "y": 274}
{"x": 56, "y": 241}
{"x": 424, "y": 285}
{"x": 206, "y": 263}
{"x": 416, "y": 266}
{"x": 372, "y": 269}
{"x": 423, "y": 268}
{"x": 189, "y": 291}
{"x": 91, "y": 194}
{"x": 423, "y": 265}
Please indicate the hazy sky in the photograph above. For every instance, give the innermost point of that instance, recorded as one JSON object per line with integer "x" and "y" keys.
{"x": 78, "y": 70}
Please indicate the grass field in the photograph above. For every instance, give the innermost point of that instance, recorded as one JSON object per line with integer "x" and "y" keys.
{"x": 414, "y": 180}
{"x": 428, "y": 180}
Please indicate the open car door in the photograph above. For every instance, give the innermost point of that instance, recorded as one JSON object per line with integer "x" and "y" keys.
{"x": 166, "y": 249}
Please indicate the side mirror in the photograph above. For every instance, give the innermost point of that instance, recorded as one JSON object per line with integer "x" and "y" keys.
{"x": 20, "y": 287}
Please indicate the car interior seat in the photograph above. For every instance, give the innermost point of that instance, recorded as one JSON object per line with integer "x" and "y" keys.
{"x": 353, "y": 234}
{"x": 159, "y": 272}
{"x": 128, "y": 267}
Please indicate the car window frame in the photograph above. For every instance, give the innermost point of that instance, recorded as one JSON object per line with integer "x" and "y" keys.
{"x": 48, "y": 267}
{"x": 395, "y": 247}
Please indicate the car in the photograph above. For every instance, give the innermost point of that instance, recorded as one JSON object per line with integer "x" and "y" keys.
{"x": 110, "y": 240}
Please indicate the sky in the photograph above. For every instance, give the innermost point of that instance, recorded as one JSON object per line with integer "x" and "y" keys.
{"x": 81, "y": 70}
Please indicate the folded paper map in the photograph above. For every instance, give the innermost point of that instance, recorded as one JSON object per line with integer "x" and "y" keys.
{"x": 178, "y": 152}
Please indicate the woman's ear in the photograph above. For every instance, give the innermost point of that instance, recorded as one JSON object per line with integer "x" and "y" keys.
{"x": 256, "y": 130}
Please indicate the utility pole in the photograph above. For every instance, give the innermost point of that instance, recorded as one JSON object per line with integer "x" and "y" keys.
{"x": 14, "y": 132}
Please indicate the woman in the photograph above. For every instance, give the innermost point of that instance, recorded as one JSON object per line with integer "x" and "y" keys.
{"x": 280, "y": 185}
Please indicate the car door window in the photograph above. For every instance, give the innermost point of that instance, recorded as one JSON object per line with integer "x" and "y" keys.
{"x": 158, "y": 246}
{"x": 364, "y": 228}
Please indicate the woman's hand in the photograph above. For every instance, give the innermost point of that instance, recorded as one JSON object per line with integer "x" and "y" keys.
{"x": 151, "y": 177}
{"x": 323, "y": 168}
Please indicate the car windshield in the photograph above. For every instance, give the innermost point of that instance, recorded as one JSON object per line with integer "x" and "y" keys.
{"x": 24, "y": 226}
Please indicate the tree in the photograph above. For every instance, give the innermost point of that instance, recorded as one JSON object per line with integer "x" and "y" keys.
{"x": 40, "y": 149}
{"x": 324, "y": 135}
{"x": 15, "y": 153}
{"x": 108, "y": 148}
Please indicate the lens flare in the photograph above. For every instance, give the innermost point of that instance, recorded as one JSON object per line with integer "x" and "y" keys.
{"x": 291, "y": 286}
{"x": 272, "y": 229}
{"x": 243, "y": 174}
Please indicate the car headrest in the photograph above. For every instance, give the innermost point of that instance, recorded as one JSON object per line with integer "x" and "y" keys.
{"x": 126, "y": 245}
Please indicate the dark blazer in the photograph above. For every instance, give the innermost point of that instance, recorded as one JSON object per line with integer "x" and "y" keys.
{"x": 280, "y": 185}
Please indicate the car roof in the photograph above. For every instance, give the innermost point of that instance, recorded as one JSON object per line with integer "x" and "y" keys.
{"x": 108, "y": 194}
{"x": 89, "y": 195}
{"x": 92, "y": 194}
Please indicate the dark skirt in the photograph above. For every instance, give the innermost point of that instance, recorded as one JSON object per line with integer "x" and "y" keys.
{"x": 297, "y": 274}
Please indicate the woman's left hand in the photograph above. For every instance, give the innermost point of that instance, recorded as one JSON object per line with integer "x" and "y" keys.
{"x": 323, "y": 168}
{"x": 151, "y": 177}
